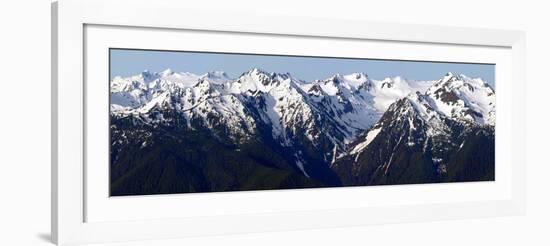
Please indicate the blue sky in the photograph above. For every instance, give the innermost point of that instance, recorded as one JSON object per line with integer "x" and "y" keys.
{"x": 132, "y": 62}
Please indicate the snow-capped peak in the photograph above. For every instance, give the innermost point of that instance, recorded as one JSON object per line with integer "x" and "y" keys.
{"x": 166, "y": 72}
{"x": 450, "y": 77}
{"x": 257, "y": 80}
{"x": 465, "y": 99}
{"x": 216, "y": 76}
{"x": 256, "y": 72}
{"x": 145, "y": 73}
{"x": 357, "y": 76}
{"x": 147, "y": 76}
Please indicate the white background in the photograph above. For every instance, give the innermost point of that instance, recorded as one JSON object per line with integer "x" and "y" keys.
{"x": 25, "y": 122}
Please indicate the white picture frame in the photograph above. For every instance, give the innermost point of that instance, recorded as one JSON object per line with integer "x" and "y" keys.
{"x": 71, "y": 223}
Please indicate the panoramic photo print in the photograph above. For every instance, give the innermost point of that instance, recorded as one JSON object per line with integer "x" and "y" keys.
{"x": 190, "y": 122}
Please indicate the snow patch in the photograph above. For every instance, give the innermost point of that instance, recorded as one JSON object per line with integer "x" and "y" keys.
{"x": 368, "y": 139}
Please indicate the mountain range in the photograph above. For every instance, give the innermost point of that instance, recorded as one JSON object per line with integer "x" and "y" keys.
{"x": 177, "y": 132}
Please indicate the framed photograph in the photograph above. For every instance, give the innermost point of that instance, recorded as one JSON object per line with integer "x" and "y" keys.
{"x": 176, "y": 125}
